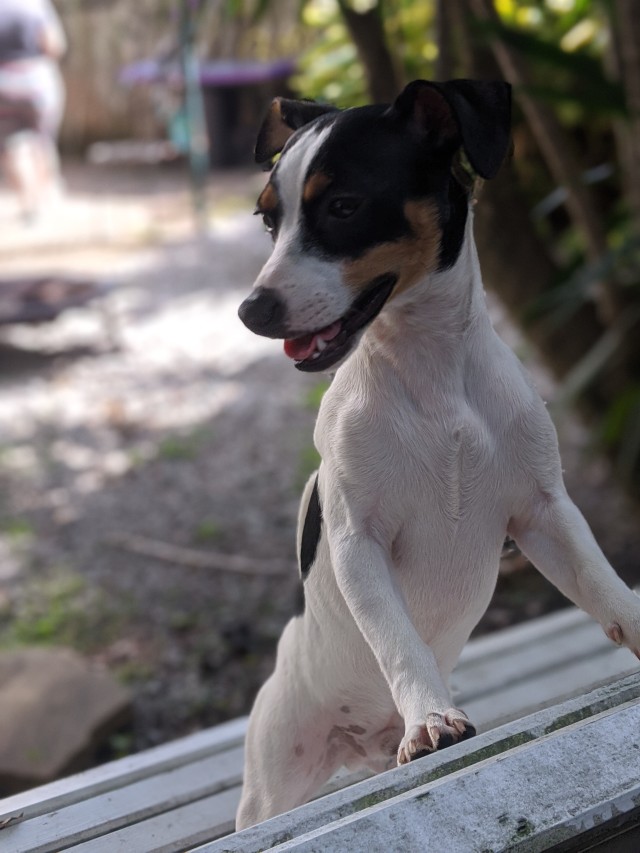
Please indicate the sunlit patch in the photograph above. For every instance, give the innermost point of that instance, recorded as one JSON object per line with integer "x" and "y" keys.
{"x": 409, "y": 258}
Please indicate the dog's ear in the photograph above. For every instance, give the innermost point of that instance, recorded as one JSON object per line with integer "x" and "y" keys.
{"x": 285, "y": 116}
{"x": 473, "y": 113}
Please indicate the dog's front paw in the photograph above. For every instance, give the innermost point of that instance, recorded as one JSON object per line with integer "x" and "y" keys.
{"x": 622, "y": 623}
{"x": 624, "y": 637}
{"x": 437, "y": 732}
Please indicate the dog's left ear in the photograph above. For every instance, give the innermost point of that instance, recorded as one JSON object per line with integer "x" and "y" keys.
{"x": 473, "y": 113}
{"x": 285, "y": 116}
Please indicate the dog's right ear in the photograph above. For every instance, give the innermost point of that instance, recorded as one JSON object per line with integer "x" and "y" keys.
{"x": 285, "y": 116}
{"x": 473, "y": 113}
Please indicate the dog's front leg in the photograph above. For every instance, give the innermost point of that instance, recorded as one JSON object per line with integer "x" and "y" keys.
{"x": 363, "y": 572}
{"x": 554, "y": 535}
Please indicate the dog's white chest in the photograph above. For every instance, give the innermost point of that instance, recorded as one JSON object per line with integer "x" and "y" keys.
{"x": 440, "y": 455}
{"x": 430, "y": 477}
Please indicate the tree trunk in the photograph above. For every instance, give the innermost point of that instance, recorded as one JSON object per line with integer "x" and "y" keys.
{"x": 367, "y": 32}
{"x": 444, "y": 62}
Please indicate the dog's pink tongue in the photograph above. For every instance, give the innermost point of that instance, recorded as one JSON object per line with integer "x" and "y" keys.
{"x": 300, "y": 348}
{"x": 304, "y": 346}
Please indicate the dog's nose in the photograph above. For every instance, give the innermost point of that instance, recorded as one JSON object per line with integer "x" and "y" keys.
{"x": 264, "y": 312}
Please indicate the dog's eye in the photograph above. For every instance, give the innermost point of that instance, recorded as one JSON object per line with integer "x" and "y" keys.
{"x": 269, "y": 223}
{"x": 343, "y": 208}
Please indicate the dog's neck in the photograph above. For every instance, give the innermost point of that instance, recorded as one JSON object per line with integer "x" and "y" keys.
{"x": 428, "y": 324}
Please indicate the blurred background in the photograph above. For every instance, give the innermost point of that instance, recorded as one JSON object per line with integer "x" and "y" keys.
{"x": 152, "y": 450}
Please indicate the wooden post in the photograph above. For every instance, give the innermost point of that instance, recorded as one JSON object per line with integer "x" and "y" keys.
{"x": 197, "y": 140}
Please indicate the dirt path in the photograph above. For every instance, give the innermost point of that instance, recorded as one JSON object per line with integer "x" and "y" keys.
{"x": 192, "y": 433}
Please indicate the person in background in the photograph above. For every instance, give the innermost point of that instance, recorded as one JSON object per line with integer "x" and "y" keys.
{"x": 32, "y": 41}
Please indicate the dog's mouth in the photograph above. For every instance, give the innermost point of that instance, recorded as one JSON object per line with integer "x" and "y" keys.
{"x": 320, "y": 350}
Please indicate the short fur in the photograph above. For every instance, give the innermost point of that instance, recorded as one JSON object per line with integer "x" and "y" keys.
{"x": 435, "y": 445}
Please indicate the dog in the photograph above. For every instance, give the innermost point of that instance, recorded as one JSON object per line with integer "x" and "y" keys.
{"x": 435, "y": 446}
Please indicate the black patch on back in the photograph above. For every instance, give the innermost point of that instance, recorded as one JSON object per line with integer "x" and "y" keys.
{"x": 311, "y": 531}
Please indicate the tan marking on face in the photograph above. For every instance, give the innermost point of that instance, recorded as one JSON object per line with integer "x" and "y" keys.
{"x": 410, "y": 258}
{"x": 317, "y": 183}
{"x": 268, "y": 199}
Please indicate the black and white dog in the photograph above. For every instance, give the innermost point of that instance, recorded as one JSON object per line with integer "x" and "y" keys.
{"x": 434, "y": 444}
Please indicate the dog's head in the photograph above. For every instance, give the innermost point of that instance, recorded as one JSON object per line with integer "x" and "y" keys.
{"x": 362, "y": 204}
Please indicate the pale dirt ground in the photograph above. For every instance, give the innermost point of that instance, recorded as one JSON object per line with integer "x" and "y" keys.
{"x": 161, "y": 416}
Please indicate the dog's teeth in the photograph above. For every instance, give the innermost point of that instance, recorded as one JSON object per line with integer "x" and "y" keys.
{"x": 320, "y": 344}
{"x": 315, "y": 355}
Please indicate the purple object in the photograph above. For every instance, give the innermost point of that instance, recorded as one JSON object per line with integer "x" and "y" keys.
{"x": 223, "y": 73}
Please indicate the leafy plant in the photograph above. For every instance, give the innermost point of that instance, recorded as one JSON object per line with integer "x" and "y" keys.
{"x": 59, "y": 610}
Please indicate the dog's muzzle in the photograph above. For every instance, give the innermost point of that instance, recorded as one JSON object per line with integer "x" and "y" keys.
{"x": 264, "y": 313}
{"x": 324, "y": 348}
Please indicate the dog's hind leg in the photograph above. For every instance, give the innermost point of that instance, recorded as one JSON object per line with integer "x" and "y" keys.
{"x": 555, "y": 537}
{"x": 287, "y": 757}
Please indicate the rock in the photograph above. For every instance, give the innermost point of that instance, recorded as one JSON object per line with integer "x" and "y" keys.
{"x": 55, "y": 710}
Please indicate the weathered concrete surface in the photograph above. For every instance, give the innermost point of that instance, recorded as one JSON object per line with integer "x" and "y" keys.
{"x": 55, "y": 710}
{"x": 524, "y": 786}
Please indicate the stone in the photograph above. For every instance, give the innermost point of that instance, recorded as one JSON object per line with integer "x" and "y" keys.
{"x": 56, "y": 709}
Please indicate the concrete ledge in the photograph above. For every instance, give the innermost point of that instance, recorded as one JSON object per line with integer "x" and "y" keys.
{"x": 545, "y": 780}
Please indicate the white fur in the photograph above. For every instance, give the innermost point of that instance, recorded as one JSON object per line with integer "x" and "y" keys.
{"x": 312, "y": 288}
{"x": 434, "y": 446}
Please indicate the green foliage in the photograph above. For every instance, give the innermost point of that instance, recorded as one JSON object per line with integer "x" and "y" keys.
{"x": 182, "y": 447}
{"x": 315, "y": 395}
{"x": 574, "y": 23}
{"x": 626, "y": 407}
{"x": 207, "y": 531}
{"x": 564, "y": 44}
{"x": 176, "y": 448}
{"x": 17, "y": 529}
{"x": 620, "y": 430}
{"x": 59, "y": 610}
{"x": 575, "y": 286}
{"x": 307, "y": 464}
{"x": 309, "y": 459}
{"x": 121, "y": 744}
{"x": 575, "y": 78}
{"x": 330, "y": 69}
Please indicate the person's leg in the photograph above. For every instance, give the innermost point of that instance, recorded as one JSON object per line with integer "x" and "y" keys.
{"x": 20, "y": 163}
{"x": 51, "y": 98}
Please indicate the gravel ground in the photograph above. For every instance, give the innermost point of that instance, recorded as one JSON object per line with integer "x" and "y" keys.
{"x": 189, "y": 433}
